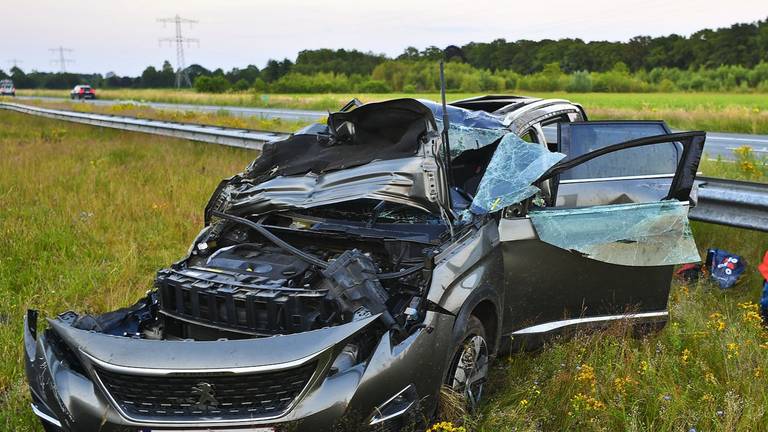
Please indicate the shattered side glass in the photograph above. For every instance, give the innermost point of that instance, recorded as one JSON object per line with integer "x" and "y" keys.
{"x": 647, "y": 234}
{"x": 468, "y": 130}
{"x": 507, "y": 179}
{"x": 463, "y": 138}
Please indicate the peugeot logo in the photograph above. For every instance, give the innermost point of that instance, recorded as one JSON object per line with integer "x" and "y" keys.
{"x": 205, "y": 394}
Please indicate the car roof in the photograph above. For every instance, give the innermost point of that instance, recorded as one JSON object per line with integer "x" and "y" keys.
{"x": 492, "y": 103}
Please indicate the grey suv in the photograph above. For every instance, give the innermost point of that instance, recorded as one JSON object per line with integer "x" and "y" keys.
{"x": 356, "y": 267}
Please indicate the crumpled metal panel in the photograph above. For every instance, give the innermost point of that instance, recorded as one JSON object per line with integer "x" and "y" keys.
{"x": 647, "y": 234}
{"x": 405, "y": 181}
{"x": 507, "y": 180}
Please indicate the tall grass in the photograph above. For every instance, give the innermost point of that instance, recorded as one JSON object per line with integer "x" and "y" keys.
{"x": 87, "y": 215}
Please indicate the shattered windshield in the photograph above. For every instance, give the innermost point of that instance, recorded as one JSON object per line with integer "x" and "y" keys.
{"x": 507, "y": 180}
{"x": 648, "y": 234}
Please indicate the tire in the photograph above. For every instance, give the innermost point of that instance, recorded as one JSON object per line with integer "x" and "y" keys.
{"x": 468, "y": 370}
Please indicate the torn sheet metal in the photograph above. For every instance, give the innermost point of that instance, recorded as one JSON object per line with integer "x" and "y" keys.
{"x": 507, "y": 180}
{"x": 647, "y": 234}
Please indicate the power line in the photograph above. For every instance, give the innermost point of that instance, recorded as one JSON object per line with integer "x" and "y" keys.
{"x": 181, "y": 69}
{"x": 14, "y": 61}
{"x": 62, "y": 60}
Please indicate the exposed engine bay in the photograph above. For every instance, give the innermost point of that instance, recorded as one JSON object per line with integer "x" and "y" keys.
{"x": 287, "y": 273}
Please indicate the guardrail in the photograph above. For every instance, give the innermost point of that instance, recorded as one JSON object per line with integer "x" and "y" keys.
{"x": 242, "y": 138}
{"x": 725, "y": 202}
{"x": 733, "y": 203}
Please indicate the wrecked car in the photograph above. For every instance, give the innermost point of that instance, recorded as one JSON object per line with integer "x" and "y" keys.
{"x": 358, "y": 266}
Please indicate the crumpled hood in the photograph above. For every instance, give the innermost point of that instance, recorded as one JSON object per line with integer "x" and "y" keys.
{"x": 196, "y": 355}
{"x": 405, "y": 181}
{"x": 381, "y": 151}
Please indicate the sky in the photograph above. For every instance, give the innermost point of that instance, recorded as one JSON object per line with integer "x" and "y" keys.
{"x": 122, "y": 36}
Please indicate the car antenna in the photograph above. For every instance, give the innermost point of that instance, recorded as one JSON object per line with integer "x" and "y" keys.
{"x": 446, "y": 124}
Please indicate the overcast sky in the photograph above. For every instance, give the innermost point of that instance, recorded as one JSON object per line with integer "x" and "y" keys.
{"x": 122, "y": 36}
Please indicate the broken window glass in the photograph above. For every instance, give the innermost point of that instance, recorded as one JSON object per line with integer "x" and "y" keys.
{"x": 463, "y": 138}
{"x": 647, "y": 234}
{"x": 468, "y": 129}
{"x": 507, "y": 179}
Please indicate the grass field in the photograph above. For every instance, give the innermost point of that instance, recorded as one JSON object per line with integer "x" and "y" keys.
{"x": 715, "y": 112}
{"x": 87, "y": 215}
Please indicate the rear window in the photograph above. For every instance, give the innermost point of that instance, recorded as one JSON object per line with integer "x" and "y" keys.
{"x": 583, "y": 137}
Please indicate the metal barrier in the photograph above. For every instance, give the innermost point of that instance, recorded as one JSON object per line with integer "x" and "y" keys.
{"x": 725, "y": 202}
{"x": 242, "y": 138}
{"x": 733, "y": 203}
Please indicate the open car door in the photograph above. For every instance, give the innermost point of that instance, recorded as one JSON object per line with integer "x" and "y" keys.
{"x": 638, "y": 174}
{"x": 600, "y": 258}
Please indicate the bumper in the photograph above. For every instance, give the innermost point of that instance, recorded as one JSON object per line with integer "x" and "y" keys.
{"x": 67, "y": 393}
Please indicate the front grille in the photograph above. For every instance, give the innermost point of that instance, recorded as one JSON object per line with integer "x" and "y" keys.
{"x": 193, "y": 397}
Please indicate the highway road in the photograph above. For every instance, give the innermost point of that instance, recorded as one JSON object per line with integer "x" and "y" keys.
{"x": 718, "y": 143}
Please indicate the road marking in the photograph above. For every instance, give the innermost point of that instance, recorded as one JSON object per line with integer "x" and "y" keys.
{"x": 723, "y": 138}
{"x": 760, "y": 150}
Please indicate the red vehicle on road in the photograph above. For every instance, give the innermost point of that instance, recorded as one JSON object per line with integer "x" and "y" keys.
{"x": 82, "y": 92}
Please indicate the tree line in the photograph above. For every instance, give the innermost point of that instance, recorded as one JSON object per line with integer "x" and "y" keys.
{"x": 732, "y": 58}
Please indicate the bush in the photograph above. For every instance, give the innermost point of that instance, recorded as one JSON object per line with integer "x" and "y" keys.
{"x": 214, "y": 84}
{"x": 259, "y": 85}
{"x": 318, "y": 83}
{"x": 580, "y": 82}
{"x": 241, "y": 85}
{"x": 374, "y": 86}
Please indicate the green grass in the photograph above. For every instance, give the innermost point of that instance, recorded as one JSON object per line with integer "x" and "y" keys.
{"x": 87, "y": 215}
{"x": 715, "y": 112}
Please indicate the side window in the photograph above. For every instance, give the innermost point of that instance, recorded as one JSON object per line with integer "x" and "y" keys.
{"x": 529, "y": 136}
{"x": 576, "y": 139}
{"x": 549, "y": 128}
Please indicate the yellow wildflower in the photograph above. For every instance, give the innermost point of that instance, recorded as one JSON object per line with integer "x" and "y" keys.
{"x": 716, "y": 321}
{"x": 733, "y": 350}
{"x": 524, "y": 403}
{"x": 685, "y": 356}
{"x": 585, "y": 403}
{"x": 446, "y": 427}
{"x": 747, "y": 166}
{"x": 587, "y": 374}
{"x": 621, "y": 384}
{"x": 710, "y": 378}
{"x": 707, "y": 398}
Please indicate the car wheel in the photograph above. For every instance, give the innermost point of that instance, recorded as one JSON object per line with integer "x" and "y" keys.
{"x": 468, "y": 370}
